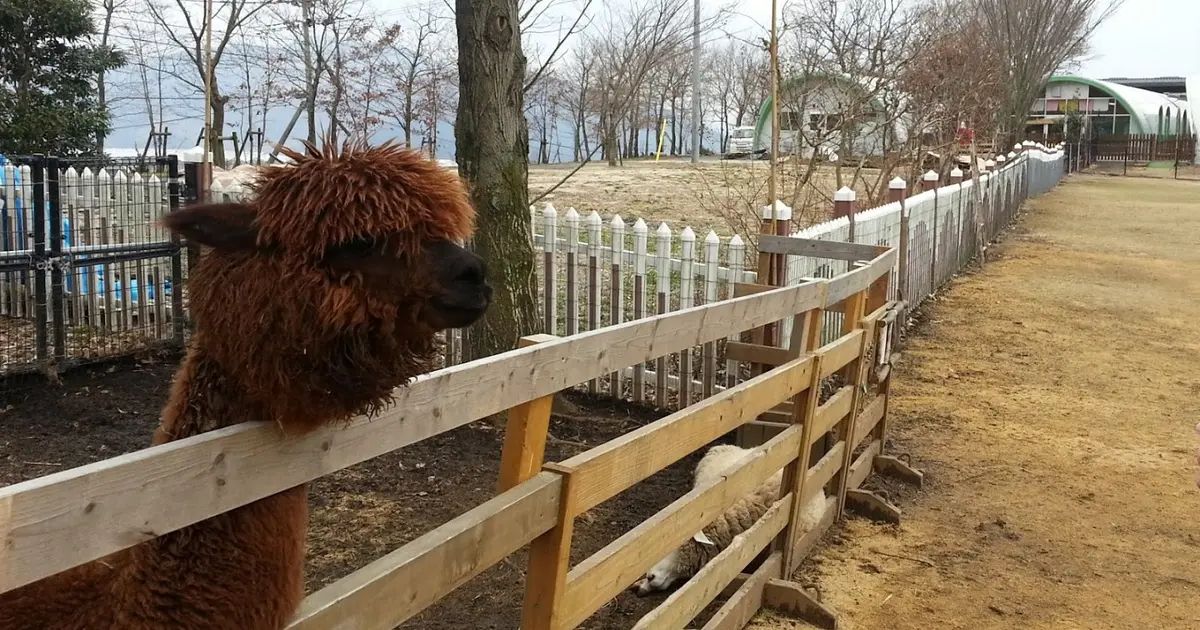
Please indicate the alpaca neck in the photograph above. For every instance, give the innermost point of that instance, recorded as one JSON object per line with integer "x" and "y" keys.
{"x": 204, "y": 397}
{"x": 263, "y": 541}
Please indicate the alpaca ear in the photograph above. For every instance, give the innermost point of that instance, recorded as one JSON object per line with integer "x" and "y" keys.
{"x": 224, "y": 226}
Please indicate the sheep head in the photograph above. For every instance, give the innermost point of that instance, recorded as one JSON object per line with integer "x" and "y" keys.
{"x": 326, "y": 291}
{"x": 679, "y": 565}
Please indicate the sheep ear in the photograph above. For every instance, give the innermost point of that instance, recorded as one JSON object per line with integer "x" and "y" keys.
{"x": 225, "y": 226}
{"x": 703, "y": 539}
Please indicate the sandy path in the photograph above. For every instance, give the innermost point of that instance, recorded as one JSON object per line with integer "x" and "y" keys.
{"x": 1050, "y": 399}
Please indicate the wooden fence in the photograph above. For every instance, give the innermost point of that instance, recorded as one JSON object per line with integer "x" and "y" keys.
{"x": 585, "y": 283}
{"x": 1143, "y": 148}
{"x": 65, "y": 519}
{"x": 45, "y": 530}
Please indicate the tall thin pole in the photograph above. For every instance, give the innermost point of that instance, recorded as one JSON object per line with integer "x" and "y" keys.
{"x": 208, "y": 83}
{"x": 696, "y": 83}
{"x": 772, "y": 192}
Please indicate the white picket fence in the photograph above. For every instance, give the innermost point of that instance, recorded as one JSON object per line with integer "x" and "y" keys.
{"x": 585, "y": 282}
{"x": 595, "y": 271}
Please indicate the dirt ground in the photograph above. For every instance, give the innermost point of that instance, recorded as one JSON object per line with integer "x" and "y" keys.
{"x": 360, "y": 513}
{"x": 1050, "y": 399}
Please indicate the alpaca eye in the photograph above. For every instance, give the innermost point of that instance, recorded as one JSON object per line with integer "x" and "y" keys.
{"x": 356, "y": 248}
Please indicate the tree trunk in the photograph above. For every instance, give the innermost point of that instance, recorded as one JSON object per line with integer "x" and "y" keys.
{"x": 492, "y": 144}
{"x": 216, "y": 146}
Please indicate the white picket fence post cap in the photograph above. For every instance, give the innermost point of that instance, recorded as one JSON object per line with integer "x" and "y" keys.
{"x": 930, "y": 176}
{"x": 990, "y": 163}
{"x": 1000, "y": 158}
{"x": 847, "y": 194}
{"x": 712, "y": 238}
{"x": 956, "y": 173}
{"x": 1012, "y": 155}
{"x": 1017, "y": 147}
{"x": 783, "y": 212}
{"x": 897, "y": 183}
{"x": 593, "y": 219}
{"x": 618, "y": 222}
{"x": 688, "y": 235}
{"x": 663, "y": 230}
{"x": 736, "y": 242}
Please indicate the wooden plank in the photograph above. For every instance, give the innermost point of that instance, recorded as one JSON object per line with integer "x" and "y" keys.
{"x": 873, "y": 506}
{"x": 854, "y": 374}
{"x": 832, "y": 412}
{"x": 868, "y": 419}
{"x": 839, "y": 353}
{"x": 401, "y": 584}
{"x": 806, "y": 543}
{"x": 791, "y": 599}
{"x": 549, "y": 559}
{"x": 525, "y": 433}
{"x": 861, "y": 468}
{"x": 824, "y": 470}
{"x": 745, "y": 602}
{"x": 608, "y": 469}
{"x": 743, "y": 289}
{"x": 606, "y": 573}
{"x": 814, "y": 248}
{"x": 849, "y": 283}
{"x": 804, "y": 408}
{"x": 756, "y": 353}
{"x": 71, "y": 517}
{"x": 696, "y": 594}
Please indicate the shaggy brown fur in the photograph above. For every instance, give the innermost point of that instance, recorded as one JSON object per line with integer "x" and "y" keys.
{"x": 314, "y": 303}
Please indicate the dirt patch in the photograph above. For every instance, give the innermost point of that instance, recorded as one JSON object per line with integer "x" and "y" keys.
{"x": 360, "y": 513}
{"x": 1050, "y": 399}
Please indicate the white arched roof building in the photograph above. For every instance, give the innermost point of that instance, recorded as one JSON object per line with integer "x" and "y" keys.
{"x": 1111, "y": 108}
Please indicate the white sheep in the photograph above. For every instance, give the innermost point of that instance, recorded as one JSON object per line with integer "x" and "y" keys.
{"x": 686, "y": 560}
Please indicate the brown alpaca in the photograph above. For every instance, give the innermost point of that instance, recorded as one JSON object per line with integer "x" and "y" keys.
{"x": 314, "y": 302}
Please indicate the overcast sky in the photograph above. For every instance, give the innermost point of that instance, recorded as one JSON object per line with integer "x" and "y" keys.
{"x": 1144, "y": 38}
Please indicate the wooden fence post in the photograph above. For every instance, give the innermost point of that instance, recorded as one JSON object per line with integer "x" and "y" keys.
{"x": 930, "y": 182}
{"x": 525, "y": 433}
{"x": 549, "y": 562}
{"x": 550, "y": 280}
{"x": 854, "y": 309}
{"x": 617, "y": 293}
{"x": 687, "y": 298}
{"x": 641, "y": 236}
{"x": 806, "y": 336}
{"x": 662, "y": 286}
{"x": 896, "y": 190}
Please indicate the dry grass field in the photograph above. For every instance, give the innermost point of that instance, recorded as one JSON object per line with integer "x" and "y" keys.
{"x": 1050, "y": 399}
{"x": 725, "y": 196}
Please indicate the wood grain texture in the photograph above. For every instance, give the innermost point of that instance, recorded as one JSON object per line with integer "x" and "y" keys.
{"x": 401, "y": 584}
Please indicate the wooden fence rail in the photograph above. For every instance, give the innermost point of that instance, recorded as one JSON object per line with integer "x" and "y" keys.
{"x": 56, "y": 522}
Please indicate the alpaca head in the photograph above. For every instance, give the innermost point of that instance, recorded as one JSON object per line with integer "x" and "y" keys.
{"x": 325, "y": 292}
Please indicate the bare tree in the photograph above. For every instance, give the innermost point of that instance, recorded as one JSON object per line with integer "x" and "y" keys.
{"x": 108, "y": 9}
{"x": 577, "y": 73}
{"x": 229, "y": 17}
{"x": 438, "y": 90}
{"x": 1035, "y": 38}
{"x": 563, "y": 18}
{"x": 629, "y": 43}
{"x": 417, "y": 43}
